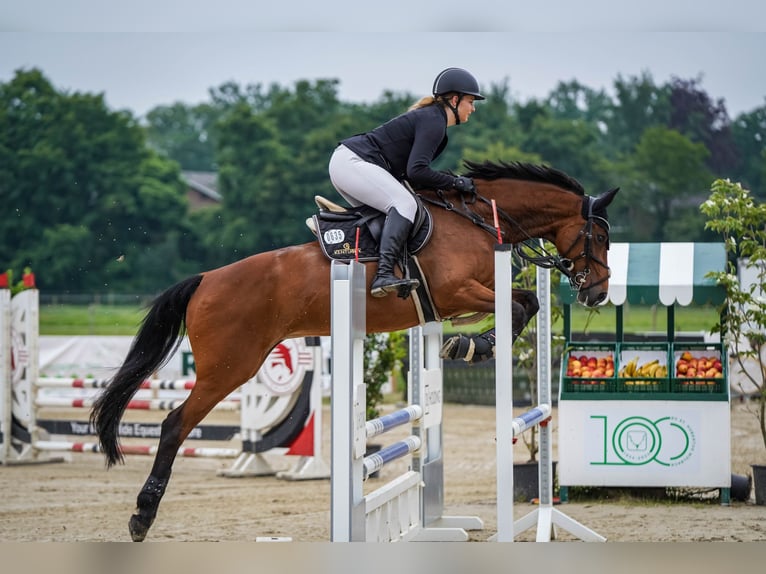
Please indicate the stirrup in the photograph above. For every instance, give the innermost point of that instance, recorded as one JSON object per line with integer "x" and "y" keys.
{"x": 401, "y": 286}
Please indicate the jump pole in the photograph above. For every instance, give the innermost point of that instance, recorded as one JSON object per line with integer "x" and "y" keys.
{"x": 544, "y": 516}
{"x": 410, "y": 506}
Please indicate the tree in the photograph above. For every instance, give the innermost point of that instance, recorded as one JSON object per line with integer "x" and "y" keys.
{"x": 661, "y": 180}
{"x": 185, "y": 134}
{"x": 639, "y": 104}
{"x": 749, "y": 134}
{"x": 84, "y": 188}
{"x": 734, "y": 214}
{"x": 694, "y": 114}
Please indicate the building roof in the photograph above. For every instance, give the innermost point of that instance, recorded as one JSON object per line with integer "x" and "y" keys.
{"x": 204, "y": 182}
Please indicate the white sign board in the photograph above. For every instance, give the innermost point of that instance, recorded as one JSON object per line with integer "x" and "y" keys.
{"x": 644, "y": 443}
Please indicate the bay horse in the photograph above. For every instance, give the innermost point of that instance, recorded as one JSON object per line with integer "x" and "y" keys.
{"x": 236, "y": 314}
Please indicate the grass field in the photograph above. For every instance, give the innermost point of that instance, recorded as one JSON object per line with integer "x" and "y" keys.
{"x": 90, "y": 319}
{"x": 97, "y": 319}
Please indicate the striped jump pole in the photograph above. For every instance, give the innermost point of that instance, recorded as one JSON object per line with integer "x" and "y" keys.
{"x": 135, "y": 404}
{"x": 385, "y": 423}
{"x": 545, "y": 517}
{"x": 90, "y": 383}
{"x": 537, "y": 416}
{"x": 187, "y": 452}
{"x": 399, "y": 449}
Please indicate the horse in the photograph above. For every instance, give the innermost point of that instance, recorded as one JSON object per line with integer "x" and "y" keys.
{"x": 236, "y": 314}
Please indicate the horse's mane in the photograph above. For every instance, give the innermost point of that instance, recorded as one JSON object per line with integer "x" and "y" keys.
{"x": 525, "y": 171}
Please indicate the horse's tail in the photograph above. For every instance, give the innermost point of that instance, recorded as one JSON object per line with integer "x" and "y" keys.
{"x": 159, "y": 336}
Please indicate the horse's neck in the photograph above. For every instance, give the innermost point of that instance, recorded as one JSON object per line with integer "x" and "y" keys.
{"x": 538, "y": 209}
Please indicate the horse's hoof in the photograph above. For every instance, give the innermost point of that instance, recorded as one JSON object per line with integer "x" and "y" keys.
{"x": 138, "y": 528}
{"x": 458, "y": 347}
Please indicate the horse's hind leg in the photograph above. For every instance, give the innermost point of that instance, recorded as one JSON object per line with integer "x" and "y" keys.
{"x": 151, "y": 493}
{"x": 175, "y": 428}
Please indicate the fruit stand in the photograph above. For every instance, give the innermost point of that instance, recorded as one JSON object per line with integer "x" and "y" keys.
{"x": 647, "y": 414}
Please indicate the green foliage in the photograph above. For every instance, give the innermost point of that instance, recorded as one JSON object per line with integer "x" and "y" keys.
{"x": 741, "y": 221}
{"x": 81, "y": 189}
{"x": 663, "y": 176}
{"x": 94, "y": 199}
{"x": 383, "y": 353}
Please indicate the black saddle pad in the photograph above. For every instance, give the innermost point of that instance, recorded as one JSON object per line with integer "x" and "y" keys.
{"x": 341, "y": 234}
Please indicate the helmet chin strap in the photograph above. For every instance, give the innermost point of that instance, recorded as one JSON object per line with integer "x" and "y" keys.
{"x": 454, "y": 109}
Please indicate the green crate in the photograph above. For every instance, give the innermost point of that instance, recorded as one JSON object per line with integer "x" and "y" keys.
{"x": 643, "y": 353}
{"x": 710, "y": 384}
{"x": 581, "y": 385}
{"x": 587, "y": 383}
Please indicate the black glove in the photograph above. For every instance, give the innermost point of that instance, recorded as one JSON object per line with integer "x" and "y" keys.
{"x": 464, "y": 185}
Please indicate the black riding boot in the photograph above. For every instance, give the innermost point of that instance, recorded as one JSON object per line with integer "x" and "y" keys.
{"x": 396, "y": 230}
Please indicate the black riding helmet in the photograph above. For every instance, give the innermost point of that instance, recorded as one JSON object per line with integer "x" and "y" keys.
{"x": 456, "y": 80}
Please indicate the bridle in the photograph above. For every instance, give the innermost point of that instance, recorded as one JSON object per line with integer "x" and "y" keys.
{"x": 566, "y": 264}
{"x": 540, "y": 257}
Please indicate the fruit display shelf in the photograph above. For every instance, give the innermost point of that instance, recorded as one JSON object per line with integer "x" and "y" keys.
{"x": 589, "y": 368}
{"x": 700, "y": 368}
{"x": 643, "y": 367}
{"x": 644, "y": 371}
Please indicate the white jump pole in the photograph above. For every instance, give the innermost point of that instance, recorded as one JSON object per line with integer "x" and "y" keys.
{"x": 544, "y": 516}
{"x": 348, "y": 328}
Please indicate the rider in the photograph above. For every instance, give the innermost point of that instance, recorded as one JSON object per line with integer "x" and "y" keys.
{"x": 369, "y": 168}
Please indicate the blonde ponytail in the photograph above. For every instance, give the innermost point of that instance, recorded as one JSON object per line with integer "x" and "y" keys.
{"x": 422, "y": 103}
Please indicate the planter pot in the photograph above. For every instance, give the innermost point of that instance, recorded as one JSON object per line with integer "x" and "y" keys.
{"x": 525, "y": 481}
{"x": 759, "y": 483}
{"x": 741, "y": 487}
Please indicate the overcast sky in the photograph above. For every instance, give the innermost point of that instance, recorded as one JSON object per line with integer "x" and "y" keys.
{"x": 144, "y": 53}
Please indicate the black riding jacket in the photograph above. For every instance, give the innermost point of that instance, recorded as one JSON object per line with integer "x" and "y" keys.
{"x": 406, "y": 145}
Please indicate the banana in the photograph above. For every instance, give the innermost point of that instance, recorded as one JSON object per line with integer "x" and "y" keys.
{"x": 630, "y": 368}
{"x": 646, "y": 370}
{"x": 651, "y": 370}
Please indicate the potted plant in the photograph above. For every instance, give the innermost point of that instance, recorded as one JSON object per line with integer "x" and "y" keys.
{"x": 739, "y": 218}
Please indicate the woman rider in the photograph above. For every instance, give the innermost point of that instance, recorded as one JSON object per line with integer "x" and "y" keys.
{"x": 369, "y": 168}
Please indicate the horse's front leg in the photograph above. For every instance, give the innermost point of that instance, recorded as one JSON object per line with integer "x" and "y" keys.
{"x": 481, "y": 347}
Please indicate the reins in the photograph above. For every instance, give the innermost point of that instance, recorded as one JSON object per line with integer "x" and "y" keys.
{"x": 542, "y": 257}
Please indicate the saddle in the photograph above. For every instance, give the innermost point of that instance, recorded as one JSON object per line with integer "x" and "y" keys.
{"x": 353, "y": 233}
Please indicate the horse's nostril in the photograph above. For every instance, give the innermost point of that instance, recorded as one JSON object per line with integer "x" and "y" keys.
{"x": 600, "y": 298}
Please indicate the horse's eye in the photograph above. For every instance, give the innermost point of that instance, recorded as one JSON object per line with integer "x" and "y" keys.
{"x": 601, "y": 238}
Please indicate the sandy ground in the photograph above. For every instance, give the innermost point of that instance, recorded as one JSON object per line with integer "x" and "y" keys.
{"x": 78, "y": 500}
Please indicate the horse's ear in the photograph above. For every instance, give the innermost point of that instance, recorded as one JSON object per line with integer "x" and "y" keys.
{"x": 604, "y": 199}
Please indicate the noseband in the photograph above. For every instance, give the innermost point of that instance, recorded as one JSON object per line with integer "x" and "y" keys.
{"x": 567, "y": 264}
